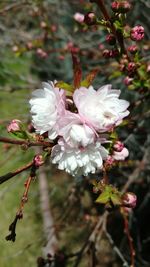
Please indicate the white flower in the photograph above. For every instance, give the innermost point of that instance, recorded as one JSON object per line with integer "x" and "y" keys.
{"x": 74, "y": 132}
{"x": 79, "y": 161}
{"x": 101, "y": 109}
{"x": 47, "y": 105}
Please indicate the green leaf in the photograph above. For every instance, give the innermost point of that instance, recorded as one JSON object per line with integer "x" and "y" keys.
{"x": 116, "y": 199}
{"x": 103, "y": 198}
{"x": 65, "y": 86}
{"x": 20, "y": 134}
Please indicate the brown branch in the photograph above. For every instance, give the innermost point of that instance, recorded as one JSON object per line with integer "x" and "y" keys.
{"x": 9, "y": 175}
{"x": 28, "y": 143}
{"x": 118, "y": 34}
{"x": 130, "y": 240}
{"x": 24, "y": 199}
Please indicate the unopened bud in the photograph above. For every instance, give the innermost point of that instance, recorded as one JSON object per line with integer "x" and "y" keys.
{"x": 41, "y": 53}
{"x": 129, "y": 200}
{"x": 132, "y": 49}
{"x": 137, "y": 33}
{"x": 127, "y": 80}
{"x": 110, "y": 38}
{"x": 124, "y": 153}
{"x": 118, "y": 146}
{"x": 14, "y": 126}
{"x": 43, "y": 24}
{"x": 79, "y": 17}
{"x": 121, "y": 7}
{"x": 38, "y": 160}
{"x": 131, "y": 67}
{"x": 90, "y": 18}
{"x": 109, "y": 161}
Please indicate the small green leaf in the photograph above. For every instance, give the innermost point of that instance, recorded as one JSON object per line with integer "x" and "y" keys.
{"x": 103, "y": 198}
{"x": 20, "y": 134}
{"x": 65, "y": 86}
{"x": 116, "y": 199}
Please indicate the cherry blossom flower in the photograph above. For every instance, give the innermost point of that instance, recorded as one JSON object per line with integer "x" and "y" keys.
{"x": 47, "y": 105}
{"x": 81, "y": 160}
{"x": 101, "y": 109}
{"x": 75, "y": 132}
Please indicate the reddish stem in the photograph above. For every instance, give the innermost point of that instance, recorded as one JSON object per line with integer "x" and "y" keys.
{"x": 9, "y": 175}
{"x": 24, "y": 142}
{"x": 130, "y": 240}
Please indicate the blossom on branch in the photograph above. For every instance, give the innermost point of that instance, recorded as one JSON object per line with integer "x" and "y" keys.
{"x": 101, "y": 109}
{"x": 81, "y": 160}
{"x": 47, "y": 105}
{"x": 79, "y": 122}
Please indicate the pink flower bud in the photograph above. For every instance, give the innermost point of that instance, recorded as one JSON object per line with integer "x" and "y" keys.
{"x": 43, "y": 24}
{"x": 79, "y": 17}
{"x": 121, "y": 7}
{"x": 14, "y": 126}
{"x": 29, "y": 45}
{"x": 109, "y": 161}
{"x": 127, "y": 80}
{"x": 110, "y": 38}
{"x": 41, "y": 53}
{"x": 131, "y": 67}
{"x": 148, "y": 68}
{"x": 118, "y": 146}
{"x": 121, "y": 155}
{"x": 129, "y": 200}
{"x": 115, "y": 6}
{"x": 106, "y": 53}
{"x": 90, "y": 18}
{"x": 38, "y": 160}
{"x": 137, "y": 33}
{"x": 132, "y": 49}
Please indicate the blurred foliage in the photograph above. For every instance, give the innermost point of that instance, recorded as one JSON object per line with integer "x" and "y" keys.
{"x": 23, "y": 32}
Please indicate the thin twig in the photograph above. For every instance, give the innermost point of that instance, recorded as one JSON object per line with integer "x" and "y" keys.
{"x": 28, "y": 143}
{"x": 9, "y": 175}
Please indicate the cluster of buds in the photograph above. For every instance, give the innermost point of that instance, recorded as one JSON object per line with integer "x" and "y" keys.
{"x": 120, "y": 153}
{"x": 121, "y": 7}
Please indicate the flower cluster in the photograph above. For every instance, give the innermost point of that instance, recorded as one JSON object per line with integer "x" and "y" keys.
{"x": 83, "y": 133}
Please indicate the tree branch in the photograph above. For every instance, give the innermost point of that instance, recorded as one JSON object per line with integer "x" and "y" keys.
{"x": 28, "y": 143}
